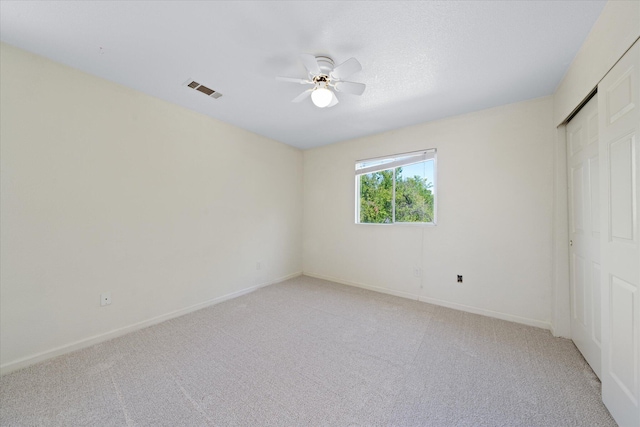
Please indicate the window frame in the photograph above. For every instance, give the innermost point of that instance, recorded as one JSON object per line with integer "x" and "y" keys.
{"x": 396, "y": 162}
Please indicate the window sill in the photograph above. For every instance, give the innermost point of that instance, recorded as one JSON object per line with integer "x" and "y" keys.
{"x": 401, "y": 224}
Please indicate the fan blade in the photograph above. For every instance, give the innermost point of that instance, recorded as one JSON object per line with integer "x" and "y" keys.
{"x": 310, "y": 63}
{"x": 347, "y": 68}
{"x": 293, "y": 80}
{"x": 350, "y": 87}
{"x": 334, "y": 100}
{"x": 304, "y": 95}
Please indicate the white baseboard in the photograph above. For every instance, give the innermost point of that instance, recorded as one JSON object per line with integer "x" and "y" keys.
{"x": 87, "y": 342}
{"x": 360, "y": 285}
{"x": 489, "y": 313}
{"x": 456, "y": 306}
{"x": 559, "y": 332}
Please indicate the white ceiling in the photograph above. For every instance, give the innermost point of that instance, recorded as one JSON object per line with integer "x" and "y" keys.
{"x": 421, "y": 60}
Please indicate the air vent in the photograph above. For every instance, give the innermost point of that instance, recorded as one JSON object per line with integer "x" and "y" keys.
{"x": 201, "y": 88}
{"x": 205, "y": 90}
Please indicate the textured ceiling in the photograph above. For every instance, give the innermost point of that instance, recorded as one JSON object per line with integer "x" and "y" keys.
{"x": 421, "y": 60}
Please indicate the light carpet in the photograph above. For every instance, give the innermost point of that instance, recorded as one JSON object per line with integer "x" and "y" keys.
{"x": 308, "y": 352}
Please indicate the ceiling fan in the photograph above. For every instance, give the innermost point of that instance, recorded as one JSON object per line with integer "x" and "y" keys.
{"x": 326, "y": 78}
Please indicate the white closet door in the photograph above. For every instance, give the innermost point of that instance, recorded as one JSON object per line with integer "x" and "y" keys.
{"x": 584, "y": 230}
{"x": 619, "y": 111}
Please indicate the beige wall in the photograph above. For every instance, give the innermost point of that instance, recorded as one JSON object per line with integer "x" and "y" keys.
{"x": 617, "y": 27}
{"x": 107, "y": 189}
{"x": 495, "y": 200}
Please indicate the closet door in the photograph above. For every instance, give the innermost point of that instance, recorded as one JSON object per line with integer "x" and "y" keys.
{"x": 619, "y": 111}
{"x": 583, "y": 167}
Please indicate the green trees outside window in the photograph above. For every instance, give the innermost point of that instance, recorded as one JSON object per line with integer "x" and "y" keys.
{"x": 413, "y": 201}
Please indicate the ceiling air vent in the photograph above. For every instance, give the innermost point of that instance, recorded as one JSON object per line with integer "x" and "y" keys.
{"x": 201, "y": 88}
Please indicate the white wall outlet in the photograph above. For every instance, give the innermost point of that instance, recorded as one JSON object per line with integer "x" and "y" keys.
{"x": 105, "y": 298}
{"x": 259, "y": 265}
{"x": 417, "y": 272}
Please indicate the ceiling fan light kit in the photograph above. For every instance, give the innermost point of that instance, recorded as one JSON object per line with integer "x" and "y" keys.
{"x": 321, "y": 97}
{"x": 324, "y": 77}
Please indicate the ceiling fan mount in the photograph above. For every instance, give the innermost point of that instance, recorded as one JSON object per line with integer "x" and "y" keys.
{"x": 325, "y": 63}
{"x": 326, "y": 79}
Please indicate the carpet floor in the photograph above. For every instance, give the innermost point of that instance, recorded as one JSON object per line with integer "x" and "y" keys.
{"x": 308, "y": 352}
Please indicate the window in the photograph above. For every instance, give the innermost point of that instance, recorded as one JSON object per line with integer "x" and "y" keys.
{"x": 397, "y": 189}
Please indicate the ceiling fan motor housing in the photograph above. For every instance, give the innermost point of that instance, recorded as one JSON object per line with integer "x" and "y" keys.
{"x": 321, "y": 80}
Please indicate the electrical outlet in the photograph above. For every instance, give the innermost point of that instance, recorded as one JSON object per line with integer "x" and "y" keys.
{"x": 459, "y": 278}
{"x": 417, "y": 272}
{"x": 105, "y": 298}
{"x": 259, "y": 265}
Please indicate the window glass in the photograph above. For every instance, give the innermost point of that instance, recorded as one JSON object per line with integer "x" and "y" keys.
{"x": 396, "y": 189}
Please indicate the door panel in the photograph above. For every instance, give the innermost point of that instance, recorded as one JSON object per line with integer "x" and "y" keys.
{"x": 594, "y": 196}
{"x": 579, "y": 306}
{"x": 623, "y": 340}
{"x": 577, "y": 190}
{"x": 621, "y": 188}
{"x": 584, "y": 196}
{"x": 596, "y": 272}
{"x": 619, "y": 124}
{"x": 620, "y": 96}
